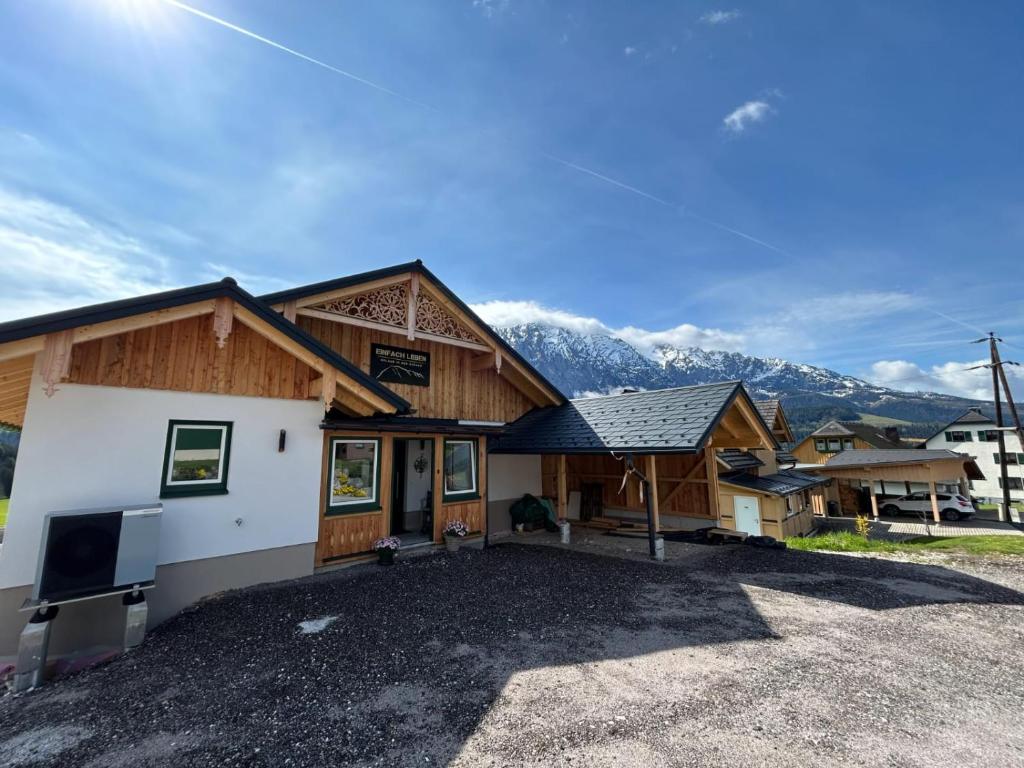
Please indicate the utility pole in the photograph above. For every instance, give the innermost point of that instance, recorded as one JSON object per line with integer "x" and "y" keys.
{"x": 998, "y": 375}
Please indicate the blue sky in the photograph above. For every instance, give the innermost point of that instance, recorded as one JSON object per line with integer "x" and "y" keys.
{"x": 808, "y": 180}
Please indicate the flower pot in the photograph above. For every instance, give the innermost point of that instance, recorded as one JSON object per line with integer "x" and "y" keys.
{"x": 452, "y": 543}
{"x": 386, "y": 557}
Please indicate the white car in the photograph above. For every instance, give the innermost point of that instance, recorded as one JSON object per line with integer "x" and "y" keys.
{"x": 951, "y": 506}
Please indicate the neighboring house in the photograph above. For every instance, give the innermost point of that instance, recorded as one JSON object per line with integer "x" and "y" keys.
{"x": 775, "y": 417}
{"x": 974, "y": 434}
{"x": 762, "y": 499}
{"x": 835, "y": 436}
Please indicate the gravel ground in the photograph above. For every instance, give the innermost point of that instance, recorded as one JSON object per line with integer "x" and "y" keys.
{"x": 539, "y": 656}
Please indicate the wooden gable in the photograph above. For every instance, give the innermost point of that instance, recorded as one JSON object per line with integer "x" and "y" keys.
{"x": 471, "y": 376}
{"x": 742, "y": 427}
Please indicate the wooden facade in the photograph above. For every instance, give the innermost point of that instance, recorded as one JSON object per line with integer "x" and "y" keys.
{"x": 184, "y": 356}
{"x": 457, "y": 390}
{"x": 776, "y": 521}
{"x": 347, "y": 535}
{"x": 806, "y": 453}
{"x": 682, "y": 481}
{"x": 15, "y": 380}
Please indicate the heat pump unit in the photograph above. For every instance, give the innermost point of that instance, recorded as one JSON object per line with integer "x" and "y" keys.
{"x": 91, "y": 552}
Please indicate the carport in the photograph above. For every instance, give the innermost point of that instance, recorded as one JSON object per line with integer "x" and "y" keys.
{"x": 609, "y": 449}
{"x": 900, "y": 468}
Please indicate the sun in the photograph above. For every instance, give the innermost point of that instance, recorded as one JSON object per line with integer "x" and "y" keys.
{"x": 151, "y": 15}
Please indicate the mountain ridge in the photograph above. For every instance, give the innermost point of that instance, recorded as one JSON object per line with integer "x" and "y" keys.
{"x": 582, "y": 364}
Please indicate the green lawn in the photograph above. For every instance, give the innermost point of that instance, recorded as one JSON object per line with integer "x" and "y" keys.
{"x": 3, "y": 512}
{"x": 844, "y": 541}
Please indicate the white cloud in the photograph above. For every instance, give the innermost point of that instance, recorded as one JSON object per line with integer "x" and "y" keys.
{"x": 629, "y": 50}
{"x": 506, "y": 313}
{"x": 720, "y": 17}
{"x": 253, "y": 283}
{"x": 491, "y": 8}
{"x": 751, "y": 112}
{"x": 963, "y": 379}
{"x": 52, "y": 258}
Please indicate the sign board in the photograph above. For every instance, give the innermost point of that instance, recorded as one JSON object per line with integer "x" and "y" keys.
{"x": 400, "y": 366}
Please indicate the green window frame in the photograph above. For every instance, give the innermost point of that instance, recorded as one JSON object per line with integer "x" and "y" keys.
{"x": 188, "y": 459}
{"x": 347, "y": 490}
{"x": 821, "y": 446}
{"x": 449, "y": 472}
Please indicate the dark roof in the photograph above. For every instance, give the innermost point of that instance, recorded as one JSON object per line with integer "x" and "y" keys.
{"x": 861, "y": 456}
{"x": 970, "y": 416}
{"x": 734, "y": 458}
{"x": 337, "y": 420}
{"x": 782, "y": 483}
{"x": 327, "y": 286}
{"x": 676, "y": 420}
{"x": 785, "y": 457}
{"x": 866, "y": 432}
{"x": 832, "y": 429}
{"x": 768, "y": 409}
{"x": 115, "y": 310}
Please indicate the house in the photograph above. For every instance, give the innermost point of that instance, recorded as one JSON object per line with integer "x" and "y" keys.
{"x": 973, "y": 433}
{"x": 288, "y": 432}
{"x": 276, "y": 440}
{"x": 775, "y": 417}
{"x": 862, "y": 478}
{"x": 835, "y": 436}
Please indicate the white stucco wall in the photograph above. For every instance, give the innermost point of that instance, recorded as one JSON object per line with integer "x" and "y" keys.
{"x": 102, "y": 446}
{"x": 983, "y": 453}
{"x": 509, "y": 477}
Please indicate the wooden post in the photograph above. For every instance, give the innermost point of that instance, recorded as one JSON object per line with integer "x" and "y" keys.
{"x": 330, "y": 383}
{"x": 711, "y": 473}
{"x": 935, "y": 500}
{"x": 289, "y": 310}
{"x": 414, "y": 292}
{"x": 223, "y": 318}
{"x": 563, "y": 501}
{"x": 56, "y": 363}
{"x": 874, "y": 498}
{"x": 652, "y": 487}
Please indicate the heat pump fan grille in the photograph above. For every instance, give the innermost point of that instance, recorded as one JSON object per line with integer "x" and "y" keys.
{"x": 81, "y": 555}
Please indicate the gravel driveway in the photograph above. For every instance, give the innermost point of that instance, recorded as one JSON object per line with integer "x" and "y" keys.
{"x": 535, "y": 655}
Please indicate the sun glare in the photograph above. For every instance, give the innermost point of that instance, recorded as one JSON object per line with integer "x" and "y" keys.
{"x": 151, "y": 15}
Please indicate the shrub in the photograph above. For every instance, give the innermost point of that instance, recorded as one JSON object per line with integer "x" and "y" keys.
{"x": 863, "y": 525}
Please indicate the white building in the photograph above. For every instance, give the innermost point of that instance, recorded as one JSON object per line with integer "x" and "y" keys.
{"x": 974, "y": 433}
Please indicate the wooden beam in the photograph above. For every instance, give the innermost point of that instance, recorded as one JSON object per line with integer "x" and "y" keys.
{"x": 288, "y": 310}
{"x": 754, "y": 422}
{"x": 144, "y": 320}
{"x": 315, "y": 388}
{"x": 563, "y": 501}
{"x": 414, "y": 294}
{"x": 349, "y": 402}
{"x": 482, "y": 362}
{"x": 352, "y": 290}
{"x": 520, "y": 382}
{"x": 652, "y": 479}
{"x": 385, "y": 328}
{"x": 20, "y": 348}
{"x": 328, "y": 385}
{"x": 874, "y": 498}
{"x": 223, "y": 318}
{"x": 291, "y": 346}
{"x": 56, "y": 363}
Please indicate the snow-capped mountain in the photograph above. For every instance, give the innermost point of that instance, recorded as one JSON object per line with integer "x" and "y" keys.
{"x": 580, "y": 364}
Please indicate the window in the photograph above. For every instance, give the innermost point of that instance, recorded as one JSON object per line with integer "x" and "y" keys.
{"x": 1013, "y": 483}
{"x": 196, "y": 458}
{"x": 354, "y": 475}
{"x": 833, "y": 445}
{"x": 988, "y": 435}
{"x": 460, "y": 470}
{"x": 847, "y": 445}
{"x": 821, "y": 446}
{"x": 1011, "y": 458}
{"x": 957, "y": 436}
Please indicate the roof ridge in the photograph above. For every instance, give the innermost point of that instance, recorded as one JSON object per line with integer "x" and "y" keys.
{"x": 733, "y": 382}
